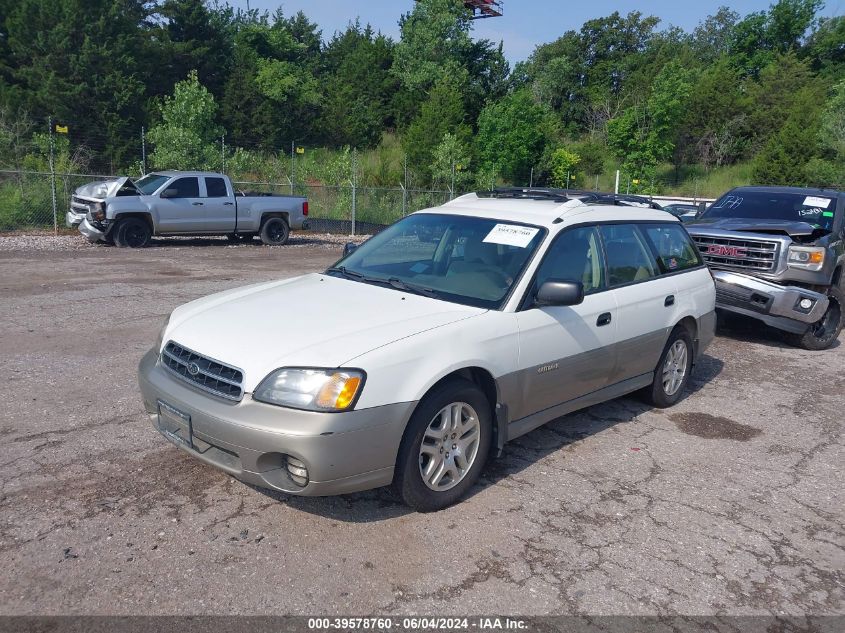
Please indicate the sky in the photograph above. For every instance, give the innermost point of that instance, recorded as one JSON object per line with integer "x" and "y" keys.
{"x": 525, "y": 23}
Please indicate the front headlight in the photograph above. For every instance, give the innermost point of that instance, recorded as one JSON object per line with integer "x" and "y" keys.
{"x": 806, "y": 257}
{"x": 160, "y": 338}
{"x": 311, "y": 389}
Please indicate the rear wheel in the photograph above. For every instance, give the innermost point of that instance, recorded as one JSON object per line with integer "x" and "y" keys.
{"x": 825, "y": 331}
{"x": 275, "y": 232}
{"x": 131, "y": 233}
{"x": 673, "y": 370}
{"x": 445, "y": 446}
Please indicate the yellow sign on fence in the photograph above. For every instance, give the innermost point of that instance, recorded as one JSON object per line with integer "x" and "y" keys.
{"x": 300, "y": 150}
{"x": 61, "y": 129}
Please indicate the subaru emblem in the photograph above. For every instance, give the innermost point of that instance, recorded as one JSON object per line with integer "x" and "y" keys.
{"x": 193, "y": 369}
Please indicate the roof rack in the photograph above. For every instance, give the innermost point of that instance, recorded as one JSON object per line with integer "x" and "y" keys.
{"x": 528, "y": 193}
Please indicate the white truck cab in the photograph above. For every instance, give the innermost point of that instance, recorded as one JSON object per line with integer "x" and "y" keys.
{"x": 434, "y": 343}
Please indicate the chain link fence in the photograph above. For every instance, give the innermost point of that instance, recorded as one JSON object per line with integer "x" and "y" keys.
{"x": 27, "y": 201}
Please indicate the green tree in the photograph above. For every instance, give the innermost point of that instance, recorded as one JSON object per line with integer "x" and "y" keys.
{"x": 188, "y": 136}
{"x": 644, "y": 134}
{"x": 451, "y": 164}
{"x": 563, "y": 164}
{"x": 832, "y": 134}
{"x": 435, "y": 38}
{"x": 443, "y": 112}
{"x": 511, "y": 136}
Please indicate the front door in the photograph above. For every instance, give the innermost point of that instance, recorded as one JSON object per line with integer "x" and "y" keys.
{"x": 567, "y": 351}
{"x": 182, "y": 210}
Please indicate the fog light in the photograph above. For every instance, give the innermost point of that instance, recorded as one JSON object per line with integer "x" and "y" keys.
{"x": 806, "y": 303}
{"x": 297, "y": 471}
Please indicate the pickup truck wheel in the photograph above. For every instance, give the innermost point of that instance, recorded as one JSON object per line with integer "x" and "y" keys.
{"x": 444, "y": 447}
{"x": 673, "y": 370}
{"x": 825, "y": 331}
{"x": 275, "y": 232}
{"x": 132, "y": 233}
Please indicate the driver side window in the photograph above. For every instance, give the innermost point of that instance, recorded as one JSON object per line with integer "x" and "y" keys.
{"x": 185, "y": 188}
{"x": 574, "y": 256}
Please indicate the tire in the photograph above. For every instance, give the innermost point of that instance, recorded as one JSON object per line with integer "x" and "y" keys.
{"x": 672, "y": 373}
{"x": 825, "y": 331}
{"x": 275, "y": 232}
{"x": 132, "y": 233}
{"x": 425, "y": 427}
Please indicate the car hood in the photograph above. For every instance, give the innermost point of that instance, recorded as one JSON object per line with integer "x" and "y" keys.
{"x": 781, "y": 227}
{"x": 102, "y": 189}
{"x": 311, "y": 321}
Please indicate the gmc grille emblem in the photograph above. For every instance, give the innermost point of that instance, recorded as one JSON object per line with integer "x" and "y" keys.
{"x": 726, "y": 251}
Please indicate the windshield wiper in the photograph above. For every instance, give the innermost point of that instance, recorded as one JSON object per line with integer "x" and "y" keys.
{"x": 393, "y": 282}
{"x": 414, "y": 288}
{"x": 345, "y": 272}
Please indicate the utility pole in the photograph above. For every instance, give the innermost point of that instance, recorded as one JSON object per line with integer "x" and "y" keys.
{"x": 292, "y": 164}
{"x": 223, "y": 154}
{"x": 531, "y": 179}
{"x": 53, "y": 176}
{"x": 143, "y": 151}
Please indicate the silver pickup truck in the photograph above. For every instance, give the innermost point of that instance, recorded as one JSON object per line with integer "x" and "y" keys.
{"x": 166, "y": 203}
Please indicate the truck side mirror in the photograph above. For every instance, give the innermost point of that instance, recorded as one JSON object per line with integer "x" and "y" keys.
{"x": 702, "y": 207}
{"x": 169, "y": 193}
{"x": 556, "y": 292}
{"x": 349, "y": 248}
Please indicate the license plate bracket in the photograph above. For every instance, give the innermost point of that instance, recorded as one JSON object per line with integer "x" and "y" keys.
{"x": 174, "y": 423}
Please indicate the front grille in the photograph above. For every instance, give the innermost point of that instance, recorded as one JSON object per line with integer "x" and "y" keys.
{"x": 79, "y": 205}
{"x": 738, "y": 253}
{"x": 207, "y": 374}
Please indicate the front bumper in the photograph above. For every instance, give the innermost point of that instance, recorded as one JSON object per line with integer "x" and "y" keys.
{"x": 90, "y": 231}
{"x": 73, "y": 219}
{"x": 773, "y": 304}
{"x": 343, "y": 452}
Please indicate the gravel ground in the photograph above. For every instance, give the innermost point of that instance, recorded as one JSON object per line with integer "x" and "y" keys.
{"x": 730, "y": 503}
{"x": 47, "y": 242}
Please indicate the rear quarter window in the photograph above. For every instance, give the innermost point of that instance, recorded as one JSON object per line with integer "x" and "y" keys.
{"x": 674, "y": 247}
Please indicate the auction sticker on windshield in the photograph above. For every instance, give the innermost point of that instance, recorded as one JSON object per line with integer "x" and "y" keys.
{"x": 511, "y": 235}
{"x": 813, "y": 201}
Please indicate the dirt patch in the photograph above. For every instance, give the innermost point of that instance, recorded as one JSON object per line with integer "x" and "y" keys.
{"x": 712, "y": 427}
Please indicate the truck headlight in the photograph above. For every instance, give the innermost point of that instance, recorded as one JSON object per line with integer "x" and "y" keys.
{"x": 311, "y": 389}
{"x": 806, "y": 257}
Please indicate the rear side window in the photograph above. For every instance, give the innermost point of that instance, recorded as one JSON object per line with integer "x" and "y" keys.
{"x": 674, "y": 247}
{"x": 186, "y": 188}
{"x": 629, "y": 259}
{"x": 216, "y": 188}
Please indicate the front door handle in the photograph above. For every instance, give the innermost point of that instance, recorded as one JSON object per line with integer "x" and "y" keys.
{"x": 197, "y": 204}
{"x": 603, "y": 319}
{"x": 228, "y": 204}
{"x": 669, "y": 301}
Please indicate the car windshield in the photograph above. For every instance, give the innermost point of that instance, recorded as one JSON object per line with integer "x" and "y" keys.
{"x": 469, "y": 260}
{"x": 149, "y": 183}
{"x": 815, "y": 210}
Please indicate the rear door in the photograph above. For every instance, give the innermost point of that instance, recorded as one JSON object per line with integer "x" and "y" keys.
{"x": 567, "y": 351}
{"x": 219, "y": 205}
{"x": 180, "y": 206}
{"x": 646, "y": 299}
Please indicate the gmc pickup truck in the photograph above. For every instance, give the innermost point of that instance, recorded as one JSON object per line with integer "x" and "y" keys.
{"x": 128, "y": 213}
{"x": 777, "y": 255}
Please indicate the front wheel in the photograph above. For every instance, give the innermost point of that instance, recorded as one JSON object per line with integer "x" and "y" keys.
{"x": 131, "y": 233}
{"x": 445, "y": 446}
{"x": 275, "y": 232}
{"x": 673, "y": 370}
{"x": 825, "y": 331}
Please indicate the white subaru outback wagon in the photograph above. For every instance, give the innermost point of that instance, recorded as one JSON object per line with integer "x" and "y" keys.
{"x": 424, "y": 350}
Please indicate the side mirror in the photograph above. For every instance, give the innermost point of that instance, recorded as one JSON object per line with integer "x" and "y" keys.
{"x": 702, "y": 207}
{"x": 560, "y": 293}
{"x": 349, "y": 248}
{"x": 169, "y": 193}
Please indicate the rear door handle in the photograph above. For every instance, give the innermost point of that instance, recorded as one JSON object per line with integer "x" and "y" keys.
{"x": 603, "y": 319}
{"x": 669, "y": 301}
{"x": 228, "y": 204}
{"x": 197, "y": 204}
